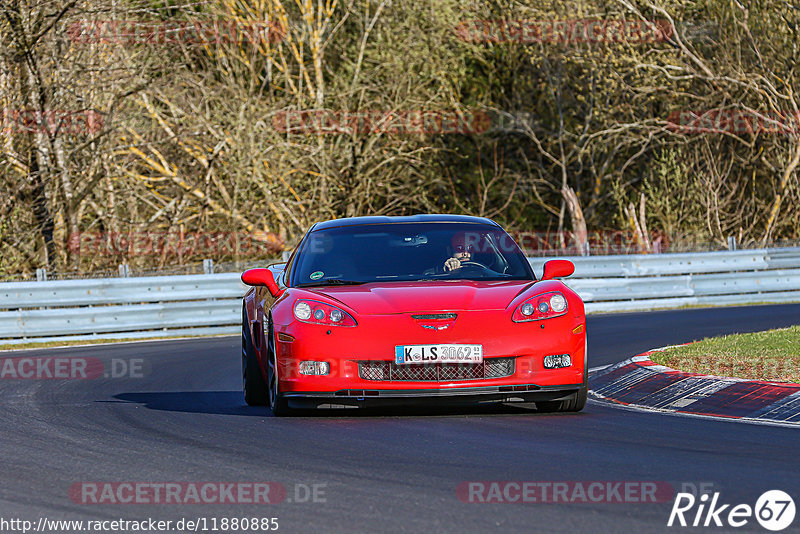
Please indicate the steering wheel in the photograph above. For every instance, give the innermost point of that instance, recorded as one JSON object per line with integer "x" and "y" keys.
{"x": 471, "y": 266}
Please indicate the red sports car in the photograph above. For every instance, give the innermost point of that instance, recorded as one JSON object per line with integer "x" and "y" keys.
{"x": 425, "y": 308}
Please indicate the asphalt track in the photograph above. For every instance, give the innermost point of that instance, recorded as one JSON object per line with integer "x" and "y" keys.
{"x": 386, "y": 471}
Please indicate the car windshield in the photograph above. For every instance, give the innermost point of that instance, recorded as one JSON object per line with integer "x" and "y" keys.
{"x": 409, "y": 252}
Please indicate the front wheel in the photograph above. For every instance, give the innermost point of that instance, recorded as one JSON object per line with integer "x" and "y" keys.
{"x": 278, "y": 404}
{"x": 574, "y": 404}
{"x": 253, "y": 385}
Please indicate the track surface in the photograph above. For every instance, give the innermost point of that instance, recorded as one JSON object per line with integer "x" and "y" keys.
{"x": 386, "y": 471}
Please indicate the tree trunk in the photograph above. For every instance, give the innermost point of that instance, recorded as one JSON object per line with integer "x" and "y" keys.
{"x": 577, "y": 219}
{"x": 776, "y": 204}
{"x": 44, "y": 220}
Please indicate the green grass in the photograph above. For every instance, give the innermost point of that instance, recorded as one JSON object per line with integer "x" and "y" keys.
{"x": 772, "y": 355}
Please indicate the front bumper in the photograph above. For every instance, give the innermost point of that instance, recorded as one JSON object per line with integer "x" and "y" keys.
{"x": 375, "y": 338}
{"x": 377, "y": 397}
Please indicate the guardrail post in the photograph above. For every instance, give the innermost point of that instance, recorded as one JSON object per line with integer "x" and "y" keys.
{"x": 208, "y": 266}
{"x": 124, "y": 271}
{"x": 731, "y": 242}
{"x": 41, "y": 275}
{"x": 285, "y": 255}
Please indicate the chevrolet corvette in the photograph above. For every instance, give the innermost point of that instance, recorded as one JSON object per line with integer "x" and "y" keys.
{"x": 424, "y": 308}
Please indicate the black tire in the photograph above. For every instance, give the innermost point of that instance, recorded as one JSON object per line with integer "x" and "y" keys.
{"x": 574, "y": 404}
{"x": 278, "y": 404}
{"x": 253, "y": 386}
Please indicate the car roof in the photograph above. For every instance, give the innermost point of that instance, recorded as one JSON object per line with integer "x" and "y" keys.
{"x": 381, "y": 219}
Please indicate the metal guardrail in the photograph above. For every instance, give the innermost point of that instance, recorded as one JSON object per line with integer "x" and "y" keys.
{"x": 161, "y": 306}
{"x": 647, "y": 281}
{"x": 120, "y": 308}
{"x": 92, "y": 292}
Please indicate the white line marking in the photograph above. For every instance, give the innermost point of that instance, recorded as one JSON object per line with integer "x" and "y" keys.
{"x": 662, "y": 349}
{"x": 653, "y": 411}
{"x": 118, "y": 342}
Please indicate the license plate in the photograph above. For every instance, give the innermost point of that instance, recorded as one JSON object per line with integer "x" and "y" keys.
{"x": 443, "y": 353}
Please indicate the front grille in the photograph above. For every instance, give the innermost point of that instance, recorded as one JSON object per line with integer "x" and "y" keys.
{"x": 438, "y": 372}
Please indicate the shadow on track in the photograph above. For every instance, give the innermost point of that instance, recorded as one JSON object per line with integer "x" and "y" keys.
{"x": 231, "y": 403}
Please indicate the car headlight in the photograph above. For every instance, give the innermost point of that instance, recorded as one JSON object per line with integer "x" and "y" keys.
{"x": 558, "y": 303}
{"x": 544, "y": 306}
{"x": 311, "y": 311}
{"x": 302, "y": 310}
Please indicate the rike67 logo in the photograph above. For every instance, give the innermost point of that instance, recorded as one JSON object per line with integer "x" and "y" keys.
{"x": 774, "y": 510}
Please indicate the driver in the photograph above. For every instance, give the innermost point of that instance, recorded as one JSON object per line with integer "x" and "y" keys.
{"x": 461, "y": 252}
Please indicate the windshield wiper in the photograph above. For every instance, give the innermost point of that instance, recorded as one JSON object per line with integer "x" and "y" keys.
{"x": 331, "y": 282}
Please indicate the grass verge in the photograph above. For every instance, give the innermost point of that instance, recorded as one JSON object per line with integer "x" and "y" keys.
{"x": 772, "y": 355}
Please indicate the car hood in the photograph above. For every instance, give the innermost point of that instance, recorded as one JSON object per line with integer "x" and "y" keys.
{"x": 411, "y": 297}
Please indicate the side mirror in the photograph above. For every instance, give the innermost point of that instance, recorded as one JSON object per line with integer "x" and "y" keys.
{"x": 262, "y": 277}
{"x": 557, "y": 269}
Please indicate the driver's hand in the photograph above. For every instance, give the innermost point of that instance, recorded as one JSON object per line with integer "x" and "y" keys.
{"x": 452, "y": 264}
